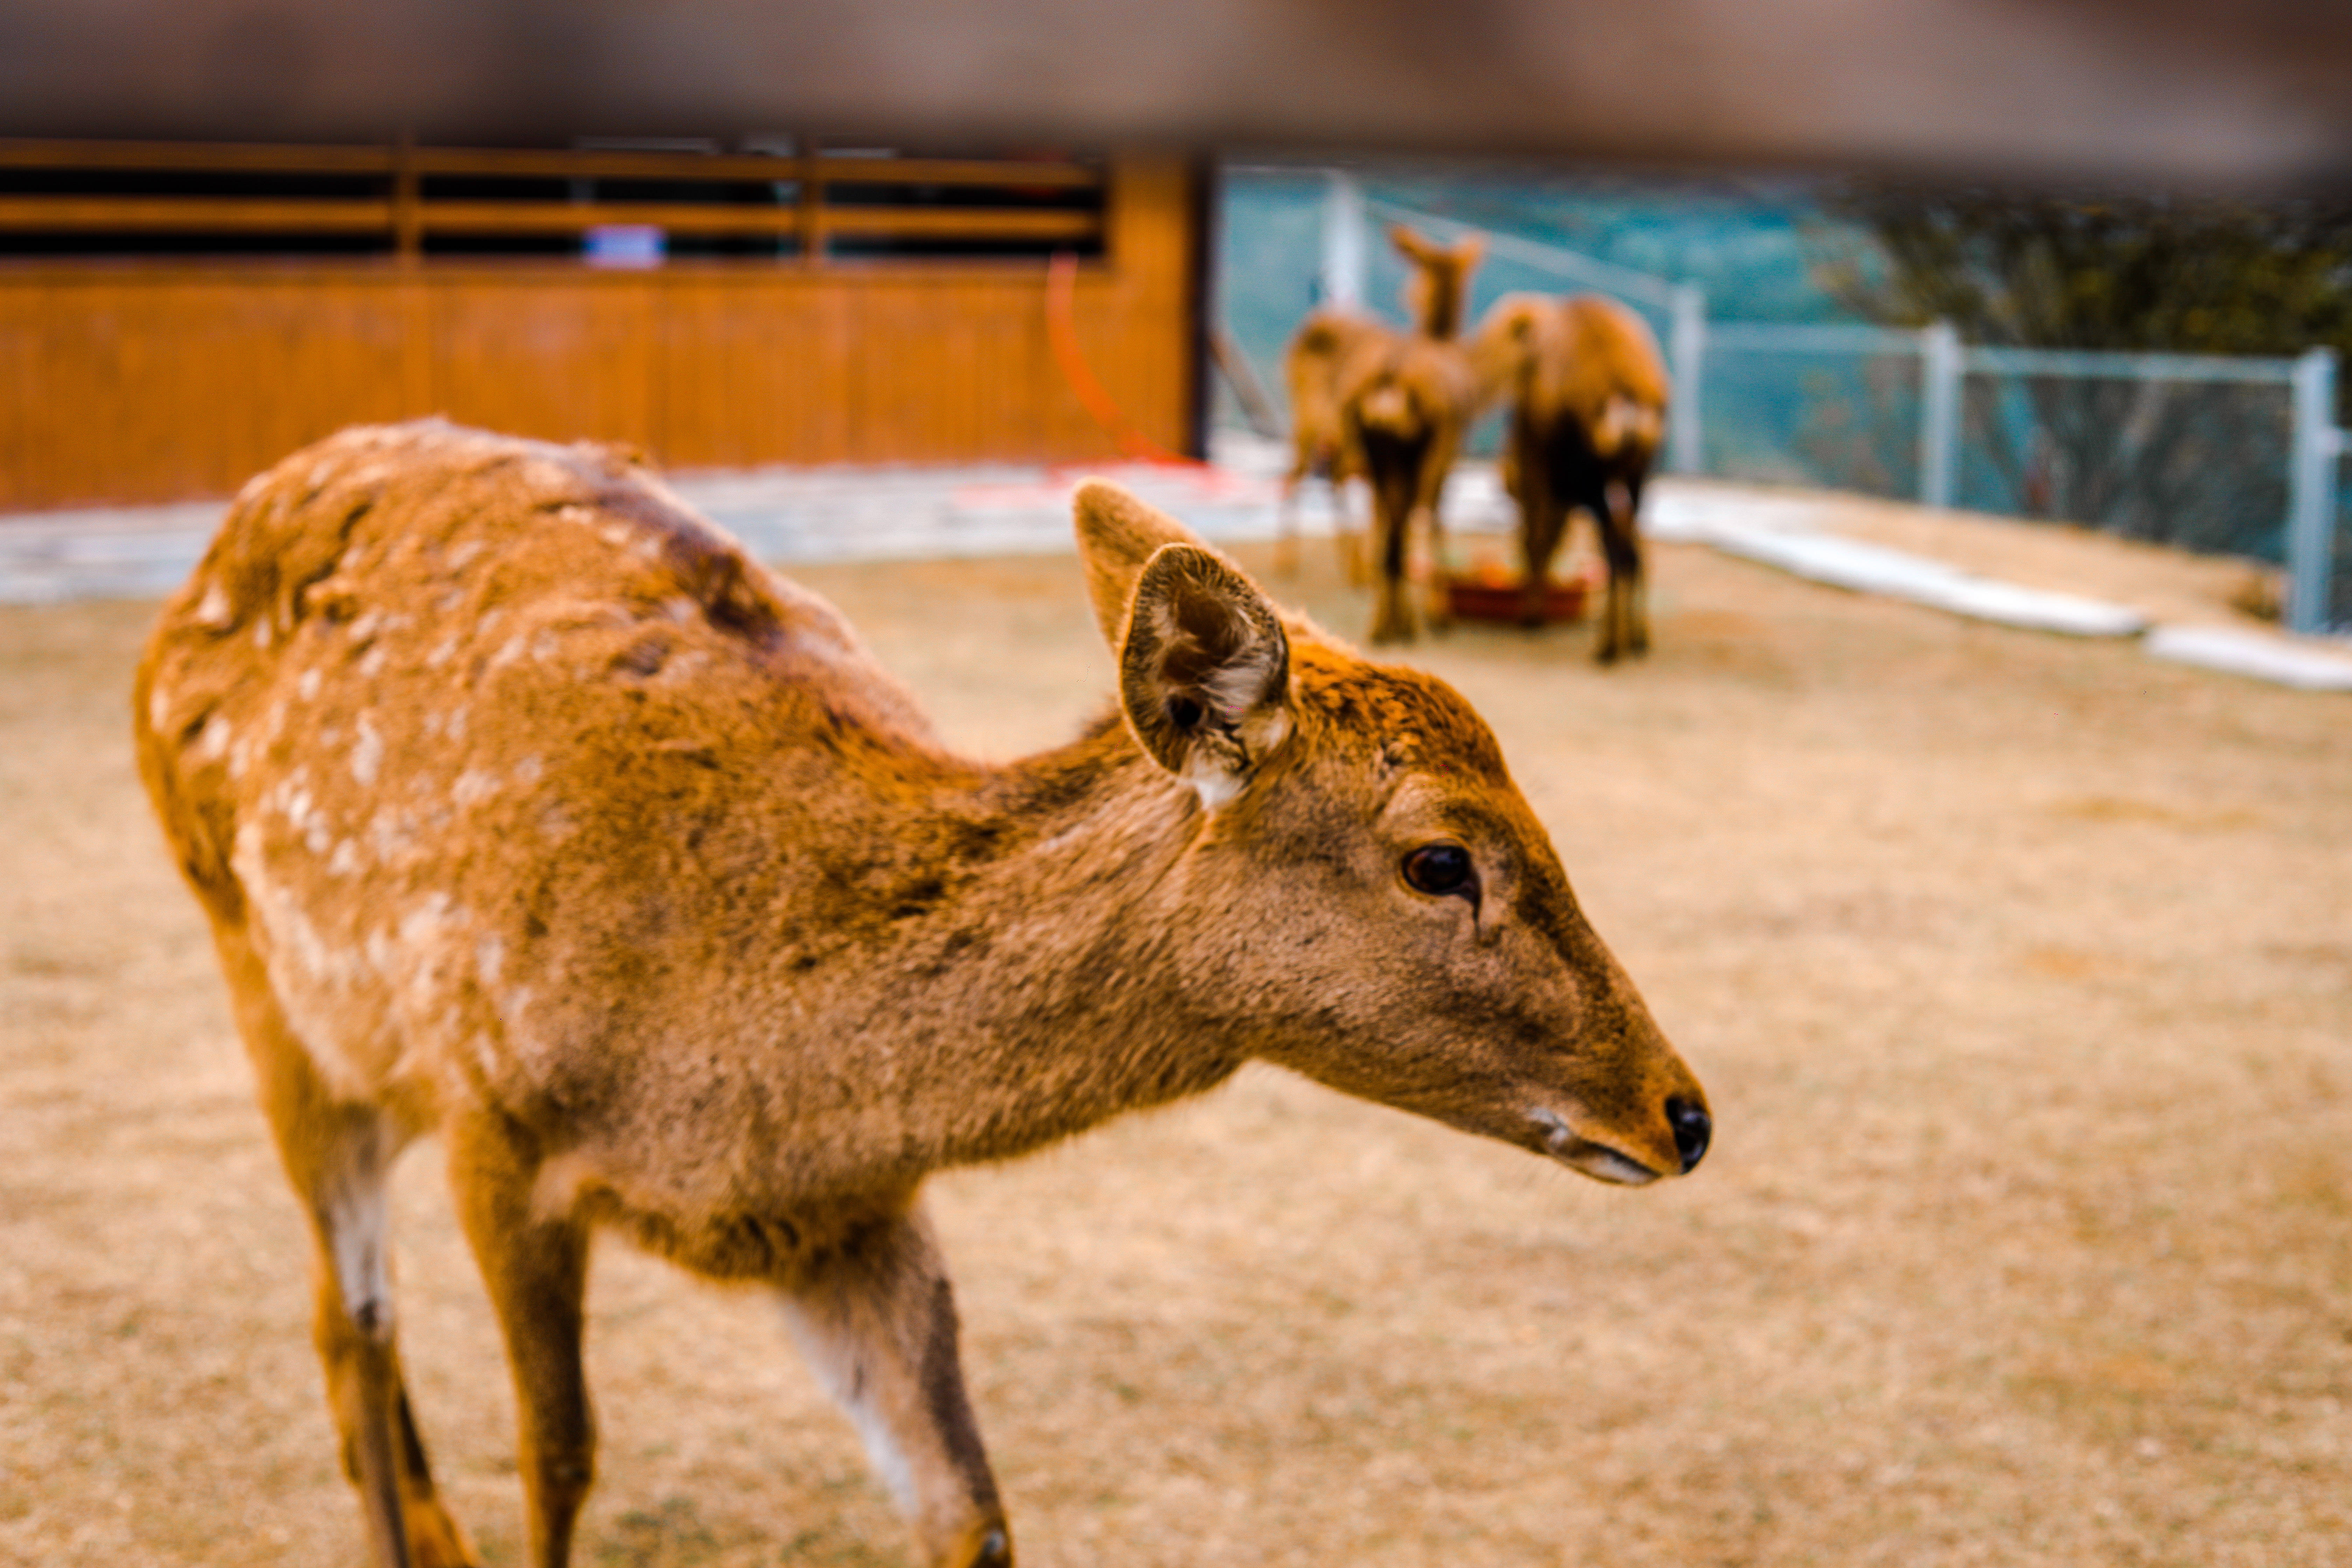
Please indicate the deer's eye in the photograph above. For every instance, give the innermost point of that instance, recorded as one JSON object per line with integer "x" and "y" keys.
{"x": 1441, "y": 869}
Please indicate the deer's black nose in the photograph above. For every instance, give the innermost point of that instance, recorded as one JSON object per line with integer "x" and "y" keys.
{"x": 1692, "y": 1127}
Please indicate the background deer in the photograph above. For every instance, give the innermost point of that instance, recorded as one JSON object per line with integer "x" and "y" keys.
{"x": 528, "y": 810}
{"x": 1589, "y": 394}
{"x": 1405, "y": 404}
{"x": 1333, "y": 348}
{"x": 1326, "y": 342}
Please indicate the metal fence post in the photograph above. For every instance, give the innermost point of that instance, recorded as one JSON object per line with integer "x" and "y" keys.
{"x": 1939, "y": 413}
{"x": 2311, "y": 493}
{"x": 1687, "y": 349}
{"x": 1343, "y": 239}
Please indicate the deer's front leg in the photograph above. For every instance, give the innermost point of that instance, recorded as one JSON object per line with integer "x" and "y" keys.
{"x": 877, "y": 1320}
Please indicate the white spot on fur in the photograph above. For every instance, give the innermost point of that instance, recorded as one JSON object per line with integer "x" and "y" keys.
{"x": 425, "y": 921}
{"x": 371, "y": 663}
{"x": 345, "y": 861}
{"x": 158, "y": 709}
{"x": 214, "y": 741}
{"x": 309, "y": 685}
{"x": 443, "y": 652}
{"x": 389, "y": 833}
{"x": 527, "y": 770}
{"x": 473, "y": 784}
{"x": 490, "y": 958}
{"x": 367, "y": 752}
{"x": 214, "y": 610}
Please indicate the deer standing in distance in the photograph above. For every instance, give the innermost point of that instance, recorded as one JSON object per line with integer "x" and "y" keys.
{"x": 1328, "y": 340}
{"x": 528, "y": 811}
{"x": 1333, "y": 349}
{"x": 1405, "y": 404}
{"x": 1589, "y": 393}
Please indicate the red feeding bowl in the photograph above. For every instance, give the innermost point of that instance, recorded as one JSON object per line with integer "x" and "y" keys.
{"x": 1495, "y": 596}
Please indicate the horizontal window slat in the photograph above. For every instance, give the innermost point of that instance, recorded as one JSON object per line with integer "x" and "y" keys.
{"x": 190, "y": 215}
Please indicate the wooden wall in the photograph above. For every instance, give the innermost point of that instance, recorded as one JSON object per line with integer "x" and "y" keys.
{"x": 139, "y": 381}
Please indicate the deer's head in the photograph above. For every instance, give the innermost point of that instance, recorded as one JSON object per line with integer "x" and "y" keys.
{"x": 1437, "y": 290}
{"x": 1370, "y": 901}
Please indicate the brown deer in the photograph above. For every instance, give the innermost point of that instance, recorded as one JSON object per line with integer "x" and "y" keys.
{"x": 1326, "y": 342}
{"x": 527, "y": 810}
{"x": 1589, "y": 394}
{"x": 1405, "y": 404}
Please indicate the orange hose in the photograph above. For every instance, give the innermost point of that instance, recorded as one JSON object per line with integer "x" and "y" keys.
{"x": 1062, "y": 332}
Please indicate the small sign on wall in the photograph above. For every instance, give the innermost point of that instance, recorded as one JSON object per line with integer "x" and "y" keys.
{"x": 634, "y": 245}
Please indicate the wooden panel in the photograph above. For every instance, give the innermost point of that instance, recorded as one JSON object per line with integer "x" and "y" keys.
{"x": 126, "y": 383}
{"x": 563, "y": 357}
{"x": 158, "y": 389}
{"x": 184, "y": 214}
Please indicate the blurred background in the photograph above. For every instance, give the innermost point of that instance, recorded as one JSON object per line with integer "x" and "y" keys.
{"x": 2069, "y": 261}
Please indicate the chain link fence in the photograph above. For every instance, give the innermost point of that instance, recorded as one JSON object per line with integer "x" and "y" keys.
{"x": 2235, "y": 457}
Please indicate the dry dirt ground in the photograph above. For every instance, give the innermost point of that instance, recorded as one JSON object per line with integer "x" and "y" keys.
{"x": 2020, "y": 971}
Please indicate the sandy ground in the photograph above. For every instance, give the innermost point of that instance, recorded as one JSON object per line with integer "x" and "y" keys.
{"x": 2020, "y": 971}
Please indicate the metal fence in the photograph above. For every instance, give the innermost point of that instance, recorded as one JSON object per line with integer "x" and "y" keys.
{"x": 2222, "y": 455}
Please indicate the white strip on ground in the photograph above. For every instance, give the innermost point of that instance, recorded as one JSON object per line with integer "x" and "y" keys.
{"x": 1875, "y": 569}
{"x": 2311, "y": 667}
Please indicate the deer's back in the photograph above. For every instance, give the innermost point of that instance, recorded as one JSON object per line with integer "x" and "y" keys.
{"x": 1603, "y": 351}
{"x": 491, "y": 749}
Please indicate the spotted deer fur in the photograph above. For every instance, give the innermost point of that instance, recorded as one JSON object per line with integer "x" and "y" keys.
{"x": 528, "y": 811}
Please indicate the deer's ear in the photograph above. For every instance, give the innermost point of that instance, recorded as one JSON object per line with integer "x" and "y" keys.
{"x": 1205, "y": 670}
{"x": 1415, "y": 247}
{"x": 1117, "y": 534}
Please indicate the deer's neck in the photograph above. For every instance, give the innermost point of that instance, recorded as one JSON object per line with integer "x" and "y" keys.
{"x": 1038, "y": 985}
{"x": 1441, "y": 303}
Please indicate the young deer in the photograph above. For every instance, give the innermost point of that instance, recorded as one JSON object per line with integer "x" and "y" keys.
{"x": 1405, "y": 403}
{"x": 528, "y": 811}
{"x": 1589, "y": 396}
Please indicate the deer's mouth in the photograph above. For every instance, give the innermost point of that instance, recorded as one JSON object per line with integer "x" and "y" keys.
{"x": 1556, "y": 1137}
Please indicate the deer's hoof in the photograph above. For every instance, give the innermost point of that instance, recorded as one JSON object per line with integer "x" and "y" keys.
{"x": 436, "y": 1540}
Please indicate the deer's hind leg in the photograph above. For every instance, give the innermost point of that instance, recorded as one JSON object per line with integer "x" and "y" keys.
{"x": 876, "y": 1318}
{"x": 338, "y": 1155}
{"x": 535, "y": 1263}
{"x": 1625, "y": 626}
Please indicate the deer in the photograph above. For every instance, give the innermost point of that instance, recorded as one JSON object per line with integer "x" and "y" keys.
{"x": 1334, "y": 346}
{"x": 1405, "y": 404}
{"x": 1589, "y": 393}
{"x": 1328, "y": 340}
{"x": 527, "y": 811}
